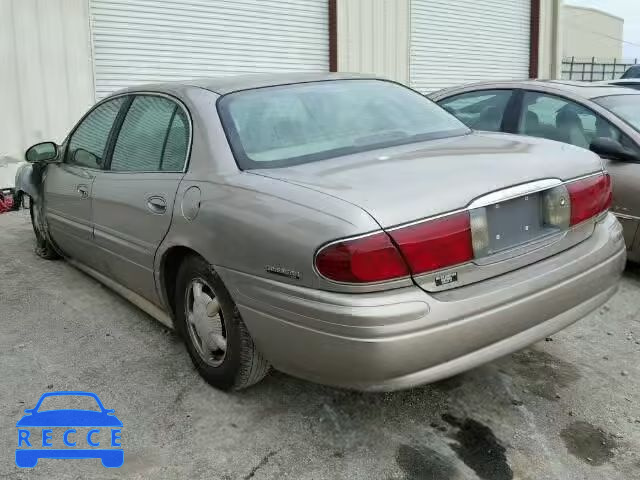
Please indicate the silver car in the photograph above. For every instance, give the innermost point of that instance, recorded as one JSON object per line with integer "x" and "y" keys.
{"x": 600, "y": 116}
{"x": 342, "y": 229}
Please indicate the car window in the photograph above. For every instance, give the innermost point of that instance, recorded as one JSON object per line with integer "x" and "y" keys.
{"x": 632, "y": 72}
{"x": 150, "y": 126}
{"x": 175, "y": 150}
{"x": 483, "y": 110}
{"x": 560, "y": 119}
{"x": 626, "y": 107}
{"x": 87, "y": 143}
{"x": 292, "y": 124}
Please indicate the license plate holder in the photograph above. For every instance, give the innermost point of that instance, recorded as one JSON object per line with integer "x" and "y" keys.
{"x": 515, "y": 222}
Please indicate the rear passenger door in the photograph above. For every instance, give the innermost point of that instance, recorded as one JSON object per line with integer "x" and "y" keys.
{"x": 482, "y": 109}
{"x": 133, "y": 198}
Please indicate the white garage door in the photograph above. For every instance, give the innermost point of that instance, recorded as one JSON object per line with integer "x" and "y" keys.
{"x": 142, "y": 41}
{"x": 468, "y": 41}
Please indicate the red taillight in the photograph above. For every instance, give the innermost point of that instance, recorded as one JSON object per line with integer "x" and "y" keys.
{"x": 426, "y": 247}
{"x": 373, "y": 258}
{"x": 589, "y": 197}
{"x": 436, "y": 244}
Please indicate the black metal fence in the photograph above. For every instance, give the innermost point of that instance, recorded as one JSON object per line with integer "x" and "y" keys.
{"x": 594, "y": 69}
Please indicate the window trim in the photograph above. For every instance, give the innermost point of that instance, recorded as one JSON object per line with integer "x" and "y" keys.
{"x": 113, "y": 134}
{"x": 112, "y": 140}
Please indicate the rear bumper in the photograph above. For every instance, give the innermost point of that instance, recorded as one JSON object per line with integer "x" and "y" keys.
{"x": 406, "y": 337}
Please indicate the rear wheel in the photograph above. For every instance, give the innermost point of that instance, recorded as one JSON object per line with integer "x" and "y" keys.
{"x": 43, "y": 248}
{"x": 217, "y": 339}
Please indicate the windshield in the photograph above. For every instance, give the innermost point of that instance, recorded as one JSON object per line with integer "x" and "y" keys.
{"x": 293, "y": 124}
{"x": 627, "y": 107}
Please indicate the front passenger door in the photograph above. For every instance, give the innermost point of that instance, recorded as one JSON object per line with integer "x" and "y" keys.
{"x": 68, "y": 185}
{"x": 133, "y": 198}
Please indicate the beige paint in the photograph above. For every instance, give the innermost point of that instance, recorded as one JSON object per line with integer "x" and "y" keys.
{"x": 373, "y": 37}
{"x": 47, "y": 78}
{"x": 550, "y": 46}
{"x": 591, "y": 33}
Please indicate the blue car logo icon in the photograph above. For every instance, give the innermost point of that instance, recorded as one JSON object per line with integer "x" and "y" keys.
{"x": 69, "y": 433}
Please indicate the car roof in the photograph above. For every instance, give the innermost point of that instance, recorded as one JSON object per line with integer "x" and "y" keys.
{"x": 232, "y": 83}
{"x": 587, "y": 90}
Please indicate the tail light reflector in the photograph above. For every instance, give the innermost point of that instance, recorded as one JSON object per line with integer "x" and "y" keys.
{"x": 556, "y": 207}
{"x": 589, "y": 197}
{"x": 436, "y": 244}
{"x": 373, "y": 258}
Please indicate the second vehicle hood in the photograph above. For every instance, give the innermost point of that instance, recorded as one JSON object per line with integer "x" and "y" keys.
{"x": 401, "y": 184}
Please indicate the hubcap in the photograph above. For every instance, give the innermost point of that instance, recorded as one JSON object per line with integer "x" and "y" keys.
{"x": 205, "y": 323}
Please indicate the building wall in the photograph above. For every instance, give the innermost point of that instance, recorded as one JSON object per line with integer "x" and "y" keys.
{"x": 550, "y": 44}
{"x": 142, "y": 41}
{"x": 373, "y": 37}
{"x": 47, "y": 80}
{"x": 591, "y": 33}
{"x": 454, "y": 43}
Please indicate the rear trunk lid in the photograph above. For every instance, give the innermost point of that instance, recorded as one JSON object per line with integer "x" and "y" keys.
{"x": 497, "y": 178}
{"x": 408, "y": 183}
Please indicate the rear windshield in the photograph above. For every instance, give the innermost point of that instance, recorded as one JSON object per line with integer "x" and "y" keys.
{"x": 627, "y": 107}
{"x": 288, "y": 125}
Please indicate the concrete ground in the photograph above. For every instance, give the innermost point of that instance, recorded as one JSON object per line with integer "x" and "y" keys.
{"x": 564, "y": 409}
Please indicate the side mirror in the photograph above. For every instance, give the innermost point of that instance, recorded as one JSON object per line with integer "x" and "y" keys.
{"x": 613, "y": 150}
{"x": 45, "y": 152}
{"x": 29, "y": 410}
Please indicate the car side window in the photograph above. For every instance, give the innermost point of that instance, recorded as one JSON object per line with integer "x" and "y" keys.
{"x": 632, "y": 72}
{"x": 560, "y": 119}
{"x": 175, "y": 150}
{"x": 88, "y": 142}
{"x": 481, "y": 110}
{"x": 153, "y": 137}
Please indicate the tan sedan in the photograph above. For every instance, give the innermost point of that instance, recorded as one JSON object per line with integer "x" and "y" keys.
{"x": 342, "y": 229}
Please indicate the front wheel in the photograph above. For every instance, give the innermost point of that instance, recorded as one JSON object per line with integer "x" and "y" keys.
{"x": 217, "y": 339}
{"x": 43, "y": 249}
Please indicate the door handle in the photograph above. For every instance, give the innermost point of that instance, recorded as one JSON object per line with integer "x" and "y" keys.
{"x": 83, "y": 190}
{"x": 157, "y": 205}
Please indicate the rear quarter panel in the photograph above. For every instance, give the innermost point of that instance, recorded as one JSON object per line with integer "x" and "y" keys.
{"x": 248, "y": 223}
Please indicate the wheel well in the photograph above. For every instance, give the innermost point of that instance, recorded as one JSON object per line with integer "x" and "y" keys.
{"x": 170, "y": 266}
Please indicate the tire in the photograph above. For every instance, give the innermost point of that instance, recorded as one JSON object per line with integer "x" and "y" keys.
{"x": 43, "y": 248}
{"x": 202, "y": 297}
